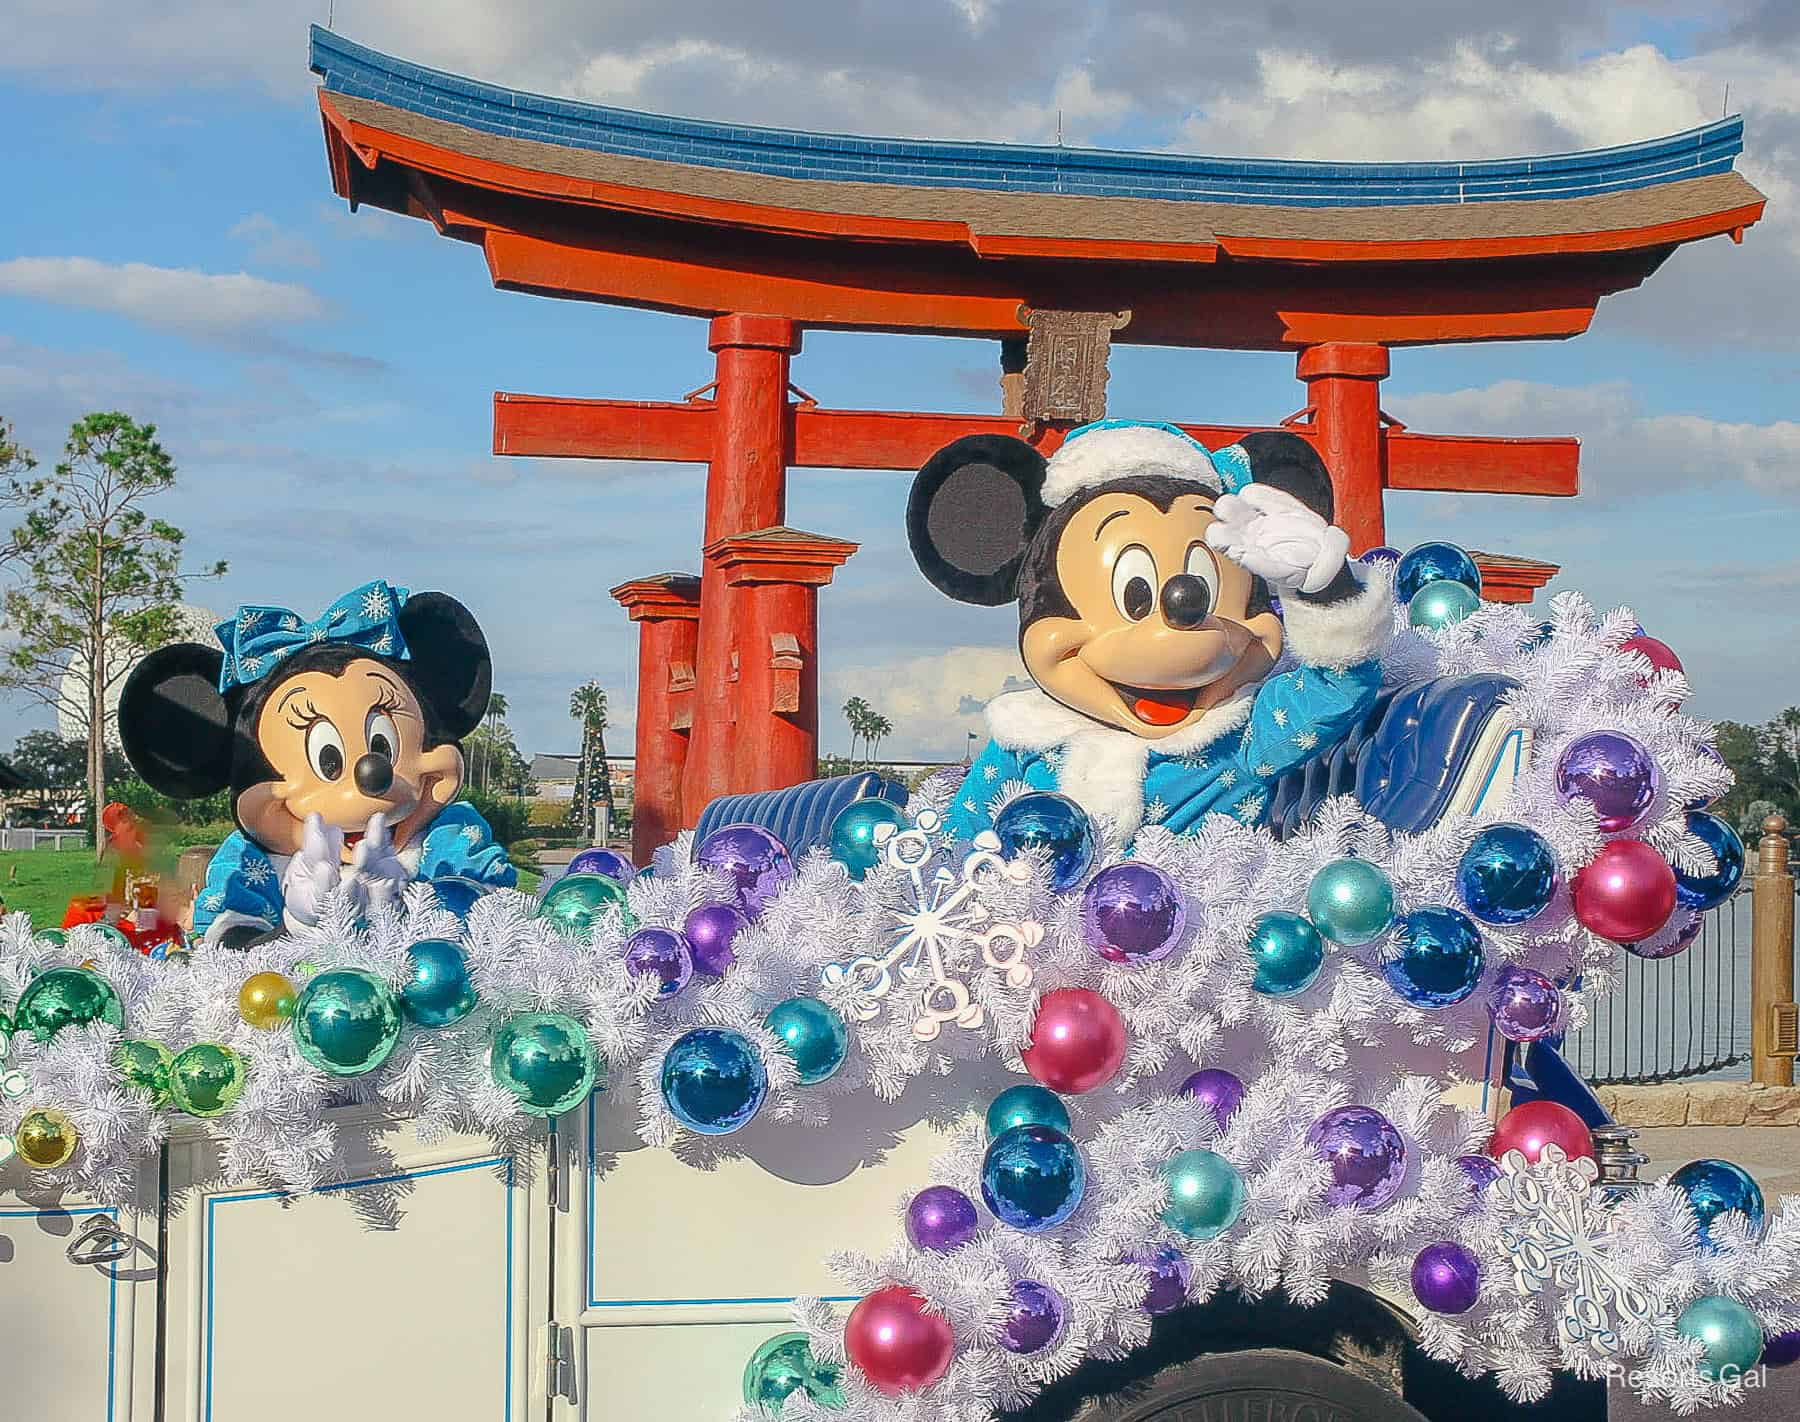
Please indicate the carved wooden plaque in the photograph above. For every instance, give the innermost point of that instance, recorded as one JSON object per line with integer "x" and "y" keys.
{"x": 1065, "y": 363}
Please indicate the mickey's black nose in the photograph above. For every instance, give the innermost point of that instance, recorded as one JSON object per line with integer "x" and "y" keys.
{"x": 374, "y": 773}
{"x": 1185, "y": 602}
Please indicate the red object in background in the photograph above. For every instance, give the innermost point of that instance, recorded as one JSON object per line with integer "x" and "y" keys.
{"x": 1536, "y": 1124}
{"x": 1078, "y": 1041}
{"x": 124, "y": 832}
{"x": 897, "y": 1342}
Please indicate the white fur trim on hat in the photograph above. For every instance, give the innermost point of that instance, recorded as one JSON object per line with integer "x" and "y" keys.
{"x": 1099, "y": 456}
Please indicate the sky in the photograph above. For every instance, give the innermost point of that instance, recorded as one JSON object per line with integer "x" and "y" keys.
{"x": 169, "y": 246}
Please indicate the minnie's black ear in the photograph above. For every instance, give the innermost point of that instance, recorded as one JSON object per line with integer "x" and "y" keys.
{"x": 973, "y": 509}
{"x": 173, "y": 722}
{"x": 1292, "y": 465}
{"x": 450, "y": 666}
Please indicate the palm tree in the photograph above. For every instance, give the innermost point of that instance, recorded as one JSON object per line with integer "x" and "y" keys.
{"x": 587, "y": 704}
{"x": 496, "y": 712}
{"x": 856, "y": 712}
{"x": 878, "y": 727}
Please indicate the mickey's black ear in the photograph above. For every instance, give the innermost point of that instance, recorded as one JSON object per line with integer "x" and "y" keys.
{"x": 973, "y": 509}
{"x": 1292, "y": 465}
{"x": 450, "y": 666}
{"x": 173, "y": 722}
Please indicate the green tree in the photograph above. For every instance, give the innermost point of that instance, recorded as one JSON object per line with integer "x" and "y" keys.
{"x": 856, "y": 712}
{"x": 1766, "y": 761}
{"x": 55, "y": 768}
{"x": 505, "y": 772}
{"x": 876, "y": 728}
{"x": 593, "y": 781}
{"x": 496, "y": 713}
{"x": 99, "y": 577}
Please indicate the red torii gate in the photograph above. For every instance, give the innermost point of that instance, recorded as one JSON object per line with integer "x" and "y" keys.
{"x": 1051, "y": 252}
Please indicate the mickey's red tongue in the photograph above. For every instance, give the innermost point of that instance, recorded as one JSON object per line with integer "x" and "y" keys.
{"x": 1162, "y": 708}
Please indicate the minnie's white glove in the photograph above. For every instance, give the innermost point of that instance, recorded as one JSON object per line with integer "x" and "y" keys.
{"x": 1271, "y": 533}
{"x": 313, "y": 873}
{"x": 376, "y": 866}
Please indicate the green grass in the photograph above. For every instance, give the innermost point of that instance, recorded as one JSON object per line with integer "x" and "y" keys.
{"x": 41, "y": 882}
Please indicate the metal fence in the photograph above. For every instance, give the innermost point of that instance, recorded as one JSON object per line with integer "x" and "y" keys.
{"x": 38, "y": 838}
{"x": 1670, "y": 1018}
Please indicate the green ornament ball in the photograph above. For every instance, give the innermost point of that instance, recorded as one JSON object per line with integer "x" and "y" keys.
{"x": 112, "y": 938}
{"x": 1731, "y": 1335}
{"x": 856, "y": 837}
{"x": 206, "y": 1079}
{"x": 67, "y": 997}
{"x": 783, "y": 1366}
{"x": 56, "y": 937}
{"x": 1026, "y": 1105}
{"x": 576, "y": 902}
{"x": 545, "y": 1060}
{"x": 1351, "y": 902}
{"x": 1442, "y": 604}
{"x": 346, "y": 1021}
{"x": 1206, "y": 1194}
{"x": 144, "y": 1065}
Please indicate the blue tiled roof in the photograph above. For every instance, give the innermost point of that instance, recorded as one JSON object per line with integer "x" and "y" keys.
{"x": 354, "y": 70}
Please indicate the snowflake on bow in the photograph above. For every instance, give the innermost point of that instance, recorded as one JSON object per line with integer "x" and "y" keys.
{"x": 1558, "y": 1232}
{"x": 944, "y": 931}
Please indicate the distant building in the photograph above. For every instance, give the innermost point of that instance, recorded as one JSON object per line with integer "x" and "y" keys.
{"x": 555, "y": 777}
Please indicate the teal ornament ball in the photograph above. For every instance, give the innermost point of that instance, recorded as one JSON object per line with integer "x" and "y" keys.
{"x": 346, "y": 1021}
{"x": 713, "y": 1082}
{"x": 1030, "y": 1105}
{"x": 856, "y": 837}
{"x": 812, "y": 1034}
{"x": 1351, "y": 902}
{"x": 1440, "y": 958}
{"x": 783, "y": 1366}
{"x": 543, "y": 1059}
{"x": 1731, "y": 1335}
{"x": 1441, "y": 604}
{"x": 66, "y": 997}
{"x": 437, "y": 990}
{"x": 1287, "y": 952}
{"x": 576, "y": 902}
{"x": 1206, "y": 1194}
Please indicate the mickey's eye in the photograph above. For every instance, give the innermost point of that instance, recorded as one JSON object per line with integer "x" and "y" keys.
{"x": 1201, "y": 565}
{"x": 325, "y": 750}
{"x": 382, "y": 736}
{"x": 1134, "y": 583}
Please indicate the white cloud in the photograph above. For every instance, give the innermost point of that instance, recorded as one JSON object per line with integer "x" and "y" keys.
{"x": 273, "y": 245}
{"x": 177, "y": 298}
{"x": 933, "y": 700}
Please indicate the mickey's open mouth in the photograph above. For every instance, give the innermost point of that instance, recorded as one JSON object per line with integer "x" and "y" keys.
{"x": 1155, "y": 706}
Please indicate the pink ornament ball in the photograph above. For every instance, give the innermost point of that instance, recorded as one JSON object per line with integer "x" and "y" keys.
{"x": 1626, "y": 894}
{"x": 1530, "y": 1127}
{"x": 1078, "y": 1041}
{"x": 1658, "y": 654}
{"x": 900, "y": 1345}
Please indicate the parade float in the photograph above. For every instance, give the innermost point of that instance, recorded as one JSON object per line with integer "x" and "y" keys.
{"x": 1196, "y": 1041}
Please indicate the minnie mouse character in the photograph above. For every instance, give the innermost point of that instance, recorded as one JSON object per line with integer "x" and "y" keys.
{"x": 339, "y": 741}
{"x": 1145, "y": 568}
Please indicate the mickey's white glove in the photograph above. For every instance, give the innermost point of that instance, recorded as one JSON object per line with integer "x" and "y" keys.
{"x": 312, "y": 873}
{"x": 1278, "y": 538}
{"x": 376, "y": 866}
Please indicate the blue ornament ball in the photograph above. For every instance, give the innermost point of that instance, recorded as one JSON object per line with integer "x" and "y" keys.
{"x": 613, "y": 863}
{"x": 1206, "y": 1194}
{"x": 1440, "y": 958}
{"x": 1029, "y": 1105}
{"x": 1351, "y": 902}
{"x": 856, "y": 837}
{"x": 1731, "y": 1335}
{"x": 1714, "y": 1187}
{"x": 437, "y": 991}
{"x": 1707, "y": 891}
{"x": 1441, "y": 604}
{"x": 1538, "y": 636}
{"x": 545, "y": 1060}
{"x": 812, "y": 1034}
{"x": 1431, "y": 563}
{"x": 458, "y": 893}
{"x": 1508, "y": 874}
{"x": 713, "y": 1081}
{"x": 1049, "y": 825}
{"x": 1382, "y": 554}
{"x": 1287, "y": 952}
{"x": 1033, "y": 1178}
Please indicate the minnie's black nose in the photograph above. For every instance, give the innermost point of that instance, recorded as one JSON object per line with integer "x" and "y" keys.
{"x": 374, "y": 773}
{"x": 1185, "y": 601}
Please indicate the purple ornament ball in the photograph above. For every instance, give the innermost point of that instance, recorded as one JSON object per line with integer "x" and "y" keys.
{"x": 1782, "y": 1350}
{"x": 1366, "y": 1156}
{"x": 609, "y": 862}
{"x": 1446, "y": 1278}
{"x": 1525, "y": 1004}
{"x": 1222, "y": 1092}
{"x": 1482, "y": 1170}
{"x": 1382, "y": 554}
{"x": 940, "y": 1218}
{"x": 1675, "y": 937}
{"x": 756, "y": 862}
{"x": 712, "y": 931}
{"x": 1037, "y": 1318}
{"x": 1167, "y": 1274}
{"x": 1614, "y": 773}
{"x": 1132, "y": 913}
{"x": 660, "y": 953}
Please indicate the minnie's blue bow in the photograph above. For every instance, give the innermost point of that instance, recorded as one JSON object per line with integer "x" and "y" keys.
{"x": 259, "y": 639}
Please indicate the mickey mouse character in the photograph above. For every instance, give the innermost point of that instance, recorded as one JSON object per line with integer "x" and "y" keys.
{"x": 1145, "y": 568}
{"x": 339, "y": 741}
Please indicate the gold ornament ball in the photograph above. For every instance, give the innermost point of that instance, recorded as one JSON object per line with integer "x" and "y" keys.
{"x": 266, "y": 1001}
{"x": 46, "y": 1138}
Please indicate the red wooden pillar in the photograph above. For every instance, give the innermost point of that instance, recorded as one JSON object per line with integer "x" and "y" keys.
{"x": 746, "y": 489}
{"x": 667, "y": 611}
{"x": 775, "y": 575}
{"x": 1343, "y": 389}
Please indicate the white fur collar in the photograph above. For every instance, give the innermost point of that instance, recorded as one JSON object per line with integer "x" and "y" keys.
{"x": 1341, "y": 634}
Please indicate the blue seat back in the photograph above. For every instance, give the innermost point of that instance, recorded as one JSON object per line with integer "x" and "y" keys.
{"x": 799, "y": 816}
{"x": 1404, "y": 761}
